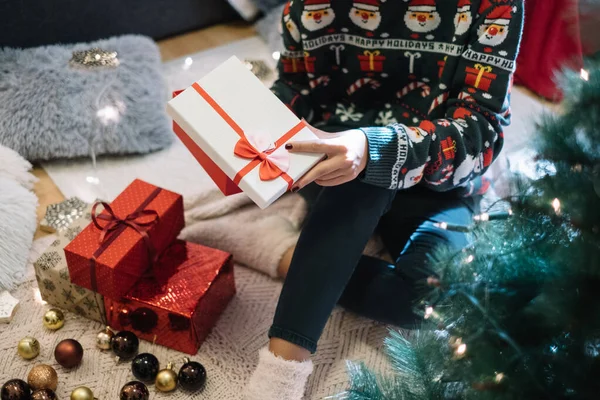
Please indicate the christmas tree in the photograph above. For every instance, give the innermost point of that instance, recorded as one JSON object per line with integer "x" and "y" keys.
{"x": 516, "y": 315}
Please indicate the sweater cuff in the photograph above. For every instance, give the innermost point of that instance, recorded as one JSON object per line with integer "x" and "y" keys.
{"x": 388, "y": 150}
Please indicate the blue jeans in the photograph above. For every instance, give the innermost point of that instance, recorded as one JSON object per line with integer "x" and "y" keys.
{"x": 328, "y": 267}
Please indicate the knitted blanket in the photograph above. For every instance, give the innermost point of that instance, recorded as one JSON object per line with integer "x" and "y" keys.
{"x": 230, "y": 353}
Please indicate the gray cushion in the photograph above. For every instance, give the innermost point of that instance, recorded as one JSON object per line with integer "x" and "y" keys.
{"x": 52, "y": 110}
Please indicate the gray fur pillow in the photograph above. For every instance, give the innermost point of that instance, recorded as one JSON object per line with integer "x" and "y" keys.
{"x": 50, "y": 109}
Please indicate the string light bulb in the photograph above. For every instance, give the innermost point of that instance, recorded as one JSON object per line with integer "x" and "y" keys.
{"x": 499, "y": 377}
{"x": 428, "y": 312}
{"x": 585, "y": 75}
{"x": 470, "y": 259}
{"x": 461, "y": 350}
{"x": 556, "y": 206}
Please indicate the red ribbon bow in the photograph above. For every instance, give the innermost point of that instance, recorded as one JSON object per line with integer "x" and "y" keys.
{"x": 115, "y": 225}
{"x": 269, "y": 169}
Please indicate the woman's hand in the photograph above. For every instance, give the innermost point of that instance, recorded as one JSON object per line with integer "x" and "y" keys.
{"x": 346, "y": 157}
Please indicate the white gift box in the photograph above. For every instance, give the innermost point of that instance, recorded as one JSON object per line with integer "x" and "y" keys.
{"x": 231, "y": 107}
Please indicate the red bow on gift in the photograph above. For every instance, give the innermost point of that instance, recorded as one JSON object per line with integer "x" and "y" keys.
{"x": 116, "y": 225}
{"x": 272, "y": 163}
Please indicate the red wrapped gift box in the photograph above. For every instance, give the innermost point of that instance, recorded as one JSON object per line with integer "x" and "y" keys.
{"x": 371, "y": 61}
{"x": 217, "y": 175}
{"x": 179, "y": 307}
{"x": 480, "y": 77}
{"x": 292, "y": 65}
{"x": 145, "y": 220}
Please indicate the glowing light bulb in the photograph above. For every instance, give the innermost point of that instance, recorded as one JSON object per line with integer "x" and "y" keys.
{"x": 443, "y": 225}
{"x": 461, "y": 349}
{"x": 428, "y": 312}
{"x": 585, "y": 75}
{"x": 470, "y": 259}
{"x": 556, "y": 205}
{"x": 499, "y": 377}
{"x": 510, "y": 211}
{"x": 276, "y": 55}
{"x": 188, "y": 63}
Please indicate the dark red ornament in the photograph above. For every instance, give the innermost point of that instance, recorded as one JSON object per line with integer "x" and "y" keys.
{"x": 192, "y": 376}
{"x": 44, "y": 394}
{"x": 134, "y": 390}
{"x": 68, "y": 353}
{"x": 125, "y": 345}
{"x": 15, "y": 389}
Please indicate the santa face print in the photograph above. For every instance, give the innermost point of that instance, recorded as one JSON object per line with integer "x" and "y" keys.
{"x": 462, "y": 22}
{"x": 412, "y": 177}
{"x": 493, "y": 34}
{"x": 293, "y": 30}
{"x": 422, "y": 21}
{"x": 366, "y": 19}
{"x": 416, "y": 135}
{"x": 319, "y": 18}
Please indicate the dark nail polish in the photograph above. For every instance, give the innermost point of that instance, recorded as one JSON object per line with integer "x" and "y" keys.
{"x": 295, "y": 189}
{"x": 288, "y": 146}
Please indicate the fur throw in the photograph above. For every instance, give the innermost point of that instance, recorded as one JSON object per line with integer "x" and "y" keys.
{"x": 17, "y": 216}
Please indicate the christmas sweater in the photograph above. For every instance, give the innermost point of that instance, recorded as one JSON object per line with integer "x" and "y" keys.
{"x": 427, "y": 81}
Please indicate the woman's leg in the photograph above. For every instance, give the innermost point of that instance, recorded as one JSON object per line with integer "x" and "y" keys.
{"x": 334, "y": 235}
{"x": 386, "y": 292}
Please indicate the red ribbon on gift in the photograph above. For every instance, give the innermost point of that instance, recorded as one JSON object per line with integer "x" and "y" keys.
{"x": 269, "y": 169}
{"x": 115, "y": 226}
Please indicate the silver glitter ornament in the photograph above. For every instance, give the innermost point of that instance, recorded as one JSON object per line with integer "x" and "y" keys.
{"x": 94, "y": 58}
{"x": 259, "y": 68}
{"x": 59, "y": 216}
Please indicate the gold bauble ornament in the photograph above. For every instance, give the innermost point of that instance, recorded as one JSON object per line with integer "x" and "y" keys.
{"x": 42, "y": 377}
{"x": 28, "y": 348}
{"x": 166, "y": 380}
{"x": 82, "y": 393}
{"x": 104, "y": 338}
{"x": 54, "y": 319}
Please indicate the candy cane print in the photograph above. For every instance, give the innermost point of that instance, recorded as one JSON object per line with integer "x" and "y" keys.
{"x": 466, "y": 96}
{"x": 337, "y": 50}
{"x": 412, "y": 86}
{"x": 441, "y": 99}
{"x": 320, "y": 80}
{"x": 411, "y": 63}
{"x": 360, "y": 83}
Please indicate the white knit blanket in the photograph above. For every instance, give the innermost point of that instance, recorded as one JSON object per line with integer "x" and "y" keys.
{"x": 231, "y": 351}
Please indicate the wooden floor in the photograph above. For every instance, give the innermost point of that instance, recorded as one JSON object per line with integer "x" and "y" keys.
{"x": 179, "y": 46}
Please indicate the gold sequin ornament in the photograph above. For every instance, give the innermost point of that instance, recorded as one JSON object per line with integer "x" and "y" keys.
{"x": 94, "y": 58}
{"x": 54, "y": 319}
{"x": 104, "y": 338}
{"x": 42, "y": 377}
{"x": 82, "y": 393}
{"x": 28, "y": 348}
{"x": 166, "y": 380}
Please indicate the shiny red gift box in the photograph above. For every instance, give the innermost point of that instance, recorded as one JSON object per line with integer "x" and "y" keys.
{"x": 178, "y": 307}
{"x": 145, "y": 220}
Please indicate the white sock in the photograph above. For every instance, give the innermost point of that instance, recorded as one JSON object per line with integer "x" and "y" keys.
{"x": 278, "y": 379}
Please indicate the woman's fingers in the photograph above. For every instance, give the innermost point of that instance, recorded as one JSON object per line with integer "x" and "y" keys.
{"x": 323, "y": 168}
{"x": 314, "y": 146}
{"x": 335, "y": 181}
